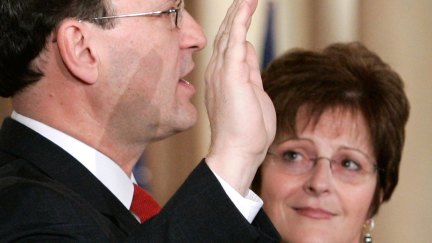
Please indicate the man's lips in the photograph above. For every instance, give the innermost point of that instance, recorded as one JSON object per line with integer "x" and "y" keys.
{"x": 185, "y": 81}
{"x": 187, "y": 86}
{"x": 314, "y": 213}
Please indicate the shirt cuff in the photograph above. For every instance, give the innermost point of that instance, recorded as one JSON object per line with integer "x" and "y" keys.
{"x": 248, "y": 206}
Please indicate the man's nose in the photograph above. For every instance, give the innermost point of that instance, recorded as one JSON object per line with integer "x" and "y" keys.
{"x": 192, "y": 33}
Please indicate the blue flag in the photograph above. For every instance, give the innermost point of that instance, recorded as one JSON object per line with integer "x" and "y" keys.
{"x": 269, "y": 45}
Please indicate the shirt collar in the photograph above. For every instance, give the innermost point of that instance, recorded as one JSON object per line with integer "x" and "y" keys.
{"x": 105, "y": 169}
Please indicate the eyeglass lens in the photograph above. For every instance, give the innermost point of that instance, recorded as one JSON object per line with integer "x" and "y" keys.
{"x": 347, "y": 170}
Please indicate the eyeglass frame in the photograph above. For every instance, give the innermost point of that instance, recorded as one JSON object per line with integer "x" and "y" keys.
{"x": 177, "y": 11}
{"x": 315, "y": 160}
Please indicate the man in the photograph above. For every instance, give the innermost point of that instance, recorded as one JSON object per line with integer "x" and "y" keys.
{"x": 92, "y": 83}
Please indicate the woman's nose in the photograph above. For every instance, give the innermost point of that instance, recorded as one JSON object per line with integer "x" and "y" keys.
{"x": 319, "y": 180}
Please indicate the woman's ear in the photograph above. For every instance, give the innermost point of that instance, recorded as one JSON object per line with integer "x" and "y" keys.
{"x": 76, "y": 51}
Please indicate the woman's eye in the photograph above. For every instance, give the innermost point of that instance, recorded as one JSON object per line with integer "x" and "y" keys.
{"x": 291, "y": 156}
{"x": 350, "y": 165}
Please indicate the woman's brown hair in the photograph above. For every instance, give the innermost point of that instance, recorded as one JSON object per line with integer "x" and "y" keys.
{"x": 348, "y": 76}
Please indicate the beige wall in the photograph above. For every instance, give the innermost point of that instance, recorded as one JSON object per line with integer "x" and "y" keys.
{"x": 401, "y": 32}
{"x": 398, "y": 30}
{"x": 5, "y": 107}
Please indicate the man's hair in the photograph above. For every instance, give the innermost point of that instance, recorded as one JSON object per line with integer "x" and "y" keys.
{"x": 25, "y": 27}
{"x": 351, "y": 77}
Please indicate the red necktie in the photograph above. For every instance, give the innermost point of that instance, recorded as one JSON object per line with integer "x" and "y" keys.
{"x": 143, "y": 205}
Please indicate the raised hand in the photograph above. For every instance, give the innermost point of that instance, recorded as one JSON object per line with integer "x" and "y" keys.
{"x": 242, "y": 116}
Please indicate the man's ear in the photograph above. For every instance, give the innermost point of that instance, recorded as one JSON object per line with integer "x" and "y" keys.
{"x": 78, "y": 55}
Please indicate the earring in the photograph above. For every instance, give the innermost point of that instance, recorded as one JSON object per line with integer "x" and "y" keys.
{"x": 367, "y": 230}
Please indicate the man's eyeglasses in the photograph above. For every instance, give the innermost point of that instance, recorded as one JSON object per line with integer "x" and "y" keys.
{"x": 343, "y": 168}
{"x": 176, "y": 14}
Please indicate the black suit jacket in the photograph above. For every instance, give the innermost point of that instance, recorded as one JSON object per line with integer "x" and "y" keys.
{"x": 46, "y": 195}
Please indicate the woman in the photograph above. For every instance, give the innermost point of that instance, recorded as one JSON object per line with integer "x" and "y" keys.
{"x": 341, "y": 115}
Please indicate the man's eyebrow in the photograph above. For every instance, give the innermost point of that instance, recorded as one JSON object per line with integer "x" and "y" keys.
{"x": 168, "y": 3}
{"x": 174, "y": 2}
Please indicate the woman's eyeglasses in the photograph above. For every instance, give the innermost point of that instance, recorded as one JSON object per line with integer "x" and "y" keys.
{"x": 348, "y": 170}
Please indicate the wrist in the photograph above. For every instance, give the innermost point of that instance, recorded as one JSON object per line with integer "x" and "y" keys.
{"x": 238, "y": 170}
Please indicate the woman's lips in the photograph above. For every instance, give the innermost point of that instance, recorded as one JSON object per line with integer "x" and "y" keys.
{"x": 314, "y": 213}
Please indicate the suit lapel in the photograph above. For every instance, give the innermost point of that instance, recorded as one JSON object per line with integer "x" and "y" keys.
{"x": 57, "y": 164}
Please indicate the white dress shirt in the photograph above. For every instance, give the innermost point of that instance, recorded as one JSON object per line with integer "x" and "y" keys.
{"x": 114, "y": 178}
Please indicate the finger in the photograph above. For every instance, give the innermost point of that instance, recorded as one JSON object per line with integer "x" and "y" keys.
{"x": 226, "y": 22}
{"x": 252, "y": 5}
{"x": 219, "y": 44}
{"x": 238, "y": 33}
{"x": 225, "y": 27}
{"x": 254, "y": 67}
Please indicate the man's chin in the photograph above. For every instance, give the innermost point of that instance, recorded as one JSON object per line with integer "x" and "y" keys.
{"x": 182, "y": 124}
{"x": 187, "y": 122}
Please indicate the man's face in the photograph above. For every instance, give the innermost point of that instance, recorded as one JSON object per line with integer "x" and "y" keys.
{"x": 143, "y": 61}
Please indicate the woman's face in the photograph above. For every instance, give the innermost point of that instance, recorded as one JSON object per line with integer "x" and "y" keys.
{"x": 320, "y": 201}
